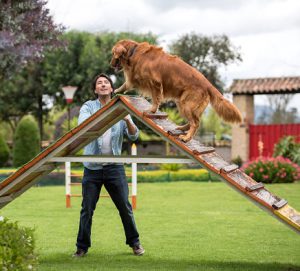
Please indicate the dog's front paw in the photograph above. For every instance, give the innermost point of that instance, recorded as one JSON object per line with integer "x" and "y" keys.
{"x": 150, "y": 111}
{"x": 118, "y": 90}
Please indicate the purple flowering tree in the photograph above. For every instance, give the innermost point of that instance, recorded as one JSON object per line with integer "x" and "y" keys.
{"x": 26, "y": 30}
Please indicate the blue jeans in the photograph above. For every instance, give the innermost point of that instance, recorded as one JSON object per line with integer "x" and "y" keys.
{"x": 114, "y": 180}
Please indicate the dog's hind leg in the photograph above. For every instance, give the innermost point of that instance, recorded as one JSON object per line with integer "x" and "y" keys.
{"x": 194, "y": 125}
{"x": 193, "y": 113}
{"x": 183, "y": 127}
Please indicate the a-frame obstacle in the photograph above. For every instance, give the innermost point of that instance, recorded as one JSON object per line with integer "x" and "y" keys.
{"x": 117, "y": 109}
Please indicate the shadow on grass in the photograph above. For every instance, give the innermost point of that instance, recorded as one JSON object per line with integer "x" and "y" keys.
{"x": 124, "y": 261}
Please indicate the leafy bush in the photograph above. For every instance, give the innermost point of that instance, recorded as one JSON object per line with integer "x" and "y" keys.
{"x": 272, "y": 170}
{"x": 4, "y": 151}
{"x": 288, "y": 148}
{"x": 237, "y": 160}
{"x": 16, "y": 247}
{"x": 195, "y": 175}
{"x": 171, "y": 167}
{"x": 26, "y": 141}
{"x": 173, "y": 115}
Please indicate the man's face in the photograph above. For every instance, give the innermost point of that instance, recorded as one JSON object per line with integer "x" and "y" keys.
{"x": 103, "y": 87}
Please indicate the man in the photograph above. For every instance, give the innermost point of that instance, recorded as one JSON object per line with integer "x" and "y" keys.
{"x": 111, "y": 175}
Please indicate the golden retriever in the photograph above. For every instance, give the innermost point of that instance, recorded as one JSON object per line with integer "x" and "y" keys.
{"x": 161, "y": 76}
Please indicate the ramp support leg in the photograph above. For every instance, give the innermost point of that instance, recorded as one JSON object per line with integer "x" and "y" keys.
{"x": 68, "y": 183}
{"x": 133, "y": 178}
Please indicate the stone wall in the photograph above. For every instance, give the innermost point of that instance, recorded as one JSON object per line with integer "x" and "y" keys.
{"x": 240, "y": 132}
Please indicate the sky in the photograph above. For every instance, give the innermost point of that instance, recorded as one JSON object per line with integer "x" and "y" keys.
{"x": 267, "y": 32}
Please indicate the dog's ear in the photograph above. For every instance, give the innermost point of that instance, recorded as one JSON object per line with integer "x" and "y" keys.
{"x": 119, "y": 50}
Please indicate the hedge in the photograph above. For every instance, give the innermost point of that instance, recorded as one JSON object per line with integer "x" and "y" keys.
{"x": 4, "y": 151}
{"x": 26, "y": 141}
{"x": 194, "y": 175}
{"x": 272, "y": 170}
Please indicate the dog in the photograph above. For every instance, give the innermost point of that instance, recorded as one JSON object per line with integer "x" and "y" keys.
{"x": 161, "y": 76}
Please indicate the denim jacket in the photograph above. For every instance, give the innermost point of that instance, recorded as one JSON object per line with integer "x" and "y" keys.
{"x": 117, "y": 132}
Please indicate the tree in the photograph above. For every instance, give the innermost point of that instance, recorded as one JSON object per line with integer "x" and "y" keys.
{"x": 26, "y": 30}
{"x": 4, "y": 151}
{"x": 213, "y": 123}
{"x": 26, "y": 141}
{"x": 278, "y": 104}
{"x": 23, "y": 94}
{"x": 84, "y": 56}
{"x": 206, "y": 54}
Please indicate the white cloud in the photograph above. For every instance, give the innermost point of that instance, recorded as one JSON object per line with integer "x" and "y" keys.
{"x": 235, "y": 18}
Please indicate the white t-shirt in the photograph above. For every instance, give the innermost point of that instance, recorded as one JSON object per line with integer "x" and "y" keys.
{"x": 106, "y": 145}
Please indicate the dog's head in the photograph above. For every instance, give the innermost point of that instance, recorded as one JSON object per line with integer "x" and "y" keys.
{"x": 121, "y": 52}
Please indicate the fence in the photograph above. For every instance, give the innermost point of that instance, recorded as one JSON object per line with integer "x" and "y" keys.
{"x": 264, "y": 137}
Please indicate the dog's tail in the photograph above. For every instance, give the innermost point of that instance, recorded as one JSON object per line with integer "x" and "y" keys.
{"x": 225, "y": 109}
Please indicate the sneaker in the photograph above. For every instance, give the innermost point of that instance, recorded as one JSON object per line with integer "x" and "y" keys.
{"x": 79, "y": 253}
{"x": 138, "y": 250}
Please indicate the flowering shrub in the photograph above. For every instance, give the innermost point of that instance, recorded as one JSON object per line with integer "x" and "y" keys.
{"x": 289, "y": 148}
{"x": 272, "y": 170}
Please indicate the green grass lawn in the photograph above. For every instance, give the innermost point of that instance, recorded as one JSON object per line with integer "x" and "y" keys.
{"x": 182, "y": 225}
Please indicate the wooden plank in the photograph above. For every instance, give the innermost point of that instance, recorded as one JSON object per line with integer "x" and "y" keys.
{"x": 17, "y": 184}
{"x": 124, "y": 159}
{"x": 265, "y": 197}
{"x": 196, "y": 147}
{"x": 241, "y": 179}
{"x": 215, "y": 161}
{"x": 47, "y": 167}
{"x": 165, "y": 125}
{"x": 262, "y": 195}
{"x": 91, "y": 134}
{"x": 139, "y": 103}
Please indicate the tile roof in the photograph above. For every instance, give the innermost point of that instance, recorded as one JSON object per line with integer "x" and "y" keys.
{"x": 271, "y": 85}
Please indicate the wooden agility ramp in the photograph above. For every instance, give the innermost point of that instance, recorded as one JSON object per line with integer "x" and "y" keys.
{"x": 114, "y": 111}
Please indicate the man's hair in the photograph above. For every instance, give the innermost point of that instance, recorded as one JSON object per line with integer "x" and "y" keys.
{"x": 95, "y": 81}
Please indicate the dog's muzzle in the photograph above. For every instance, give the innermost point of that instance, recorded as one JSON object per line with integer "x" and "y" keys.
{"x": 116, "y": 64}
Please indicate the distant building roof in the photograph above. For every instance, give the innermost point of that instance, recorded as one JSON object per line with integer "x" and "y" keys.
{"x": 273, "y": 85}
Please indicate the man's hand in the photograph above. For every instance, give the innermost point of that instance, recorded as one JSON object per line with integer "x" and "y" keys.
{"x": 127, "y": 118}
{"x": 131, "y": 127}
